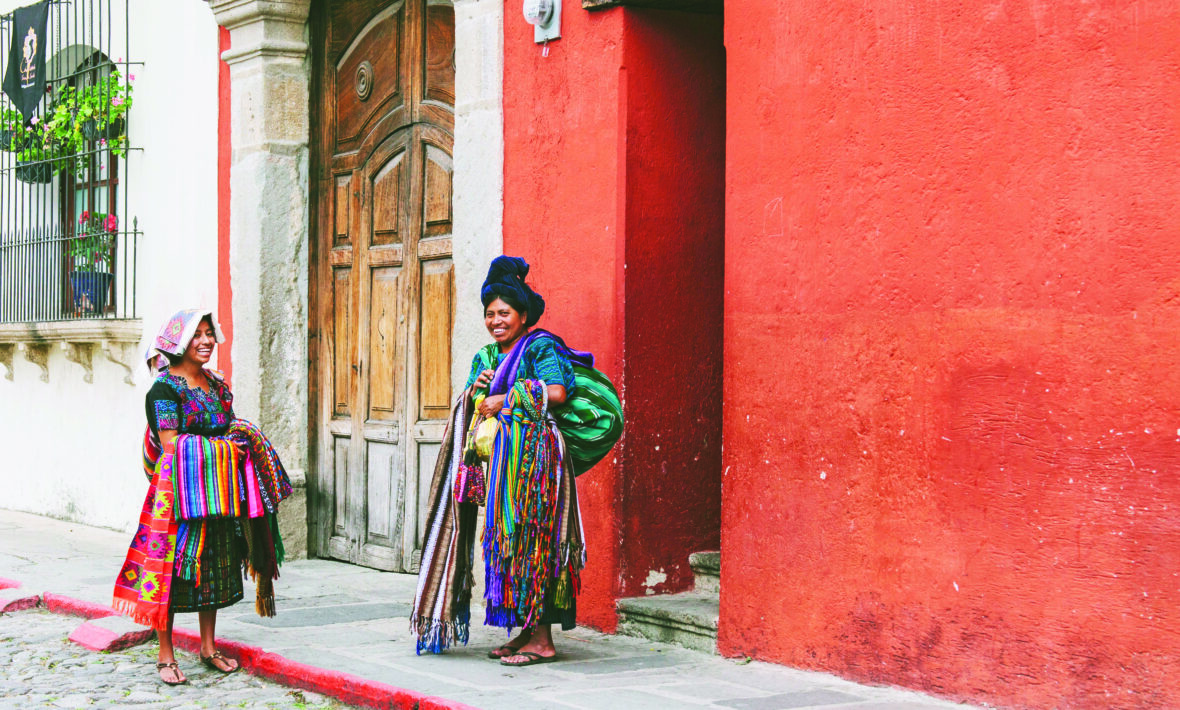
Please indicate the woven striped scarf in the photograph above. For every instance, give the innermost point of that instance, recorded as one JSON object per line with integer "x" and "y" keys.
{"x": 545, "y": 550}
{"x": 208, "y": 482}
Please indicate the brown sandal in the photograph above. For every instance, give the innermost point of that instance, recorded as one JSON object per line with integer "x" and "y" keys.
{"x": 217, "y": 655}
{"x": 175, "y": 669}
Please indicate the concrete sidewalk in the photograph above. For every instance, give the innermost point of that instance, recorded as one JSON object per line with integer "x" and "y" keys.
{"x": 355, "y": 620}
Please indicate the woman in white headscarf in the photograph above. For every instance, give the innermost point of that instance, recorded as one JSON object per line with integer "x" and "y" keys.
{"x": 178, "y": 561}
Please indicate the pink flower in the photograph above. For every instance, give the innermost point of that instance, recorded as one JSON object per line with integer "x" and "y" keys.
{"x": 35, "y": 120}
{"x": 102, "y": 142}
{"x": 85, "y": 216}
{"x": 131, "y": 77}
{"x": 112, "y": 223}
{"x": 117, "y": 101}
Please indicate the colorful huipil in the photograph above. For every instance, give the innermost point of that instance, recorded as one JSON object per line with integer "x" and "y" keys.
{"x": 532, "y": 539}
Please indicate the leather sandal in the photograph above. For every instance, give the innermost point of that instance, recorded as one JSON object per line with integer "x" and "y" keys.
{"x": 208, "y": 661}
{"x": 504, "y": 651}
{"x": 175, "y": 669}
{"x": 531, "y": 659}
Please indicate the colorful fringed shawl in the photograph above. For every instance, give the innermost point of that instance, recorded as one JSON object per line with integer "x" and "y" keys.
{"x": 143, "y": 588}
{"x": 271, "y": 478}
{"x": 198, "y": 481}
{"x": 266, "y": 485}
{"x": 533, "y": 531}
{"x": 530, "y": 495}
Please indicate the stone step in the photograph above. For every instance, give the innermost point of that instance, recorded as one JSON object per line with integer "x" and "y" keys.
{"x": 688, "y": 619}
{"x": 706, "y": 571}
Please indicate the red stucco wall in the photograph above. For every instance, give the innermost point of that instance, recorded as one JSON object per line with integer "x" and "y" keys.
{"x": 613, "y": 190}
{"x": 563, "y": 213}
{"x": 951, "y": 409}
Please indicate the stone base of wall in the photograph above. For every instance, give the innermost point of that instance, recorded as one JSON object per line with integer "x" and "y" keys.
{"x": 293, "y": 524}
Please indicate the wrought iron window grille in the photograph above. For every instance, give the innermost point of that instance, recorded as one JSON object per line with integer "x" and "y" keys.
{"x": 68, "y": 240}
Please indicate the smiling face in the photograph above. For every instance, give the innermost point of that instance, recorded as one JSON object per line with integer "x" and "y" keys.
{"x": 504, "y": 323}
{"x": 200, "y": 348}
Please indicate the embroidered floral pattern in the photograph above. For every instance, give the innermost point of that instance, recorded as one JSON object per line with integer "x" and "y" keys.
{"x": 199, "y": 410}
{"x": 167, "y": 414}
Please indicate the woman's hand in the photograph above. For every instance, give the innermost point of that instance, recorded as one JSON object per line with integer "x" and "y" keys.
{"x": 484, "y": 379}
{"x": 491, "y": 405}
{"x": 240, "y": 448}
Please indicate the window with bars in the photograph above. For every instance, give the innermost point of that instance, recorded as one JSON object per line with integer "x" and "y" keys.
{"x": 67, "y": 239}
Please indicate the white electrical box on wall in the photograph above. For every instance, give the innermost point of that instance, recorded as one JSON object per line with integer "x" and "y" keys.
{"x": 545, "y": 17}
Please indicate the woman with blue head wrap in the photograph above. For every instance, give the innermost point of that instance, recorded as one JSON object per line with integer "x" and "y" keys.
{"x": 532, "y": 537}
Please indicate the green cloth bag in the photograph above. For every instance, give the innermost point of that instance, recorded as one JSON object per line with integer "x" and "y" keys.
{"x": 591, "y": 421}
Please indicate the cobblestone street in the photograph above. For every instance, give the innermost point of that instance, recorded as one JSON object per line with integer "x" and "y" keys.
{"x": 43, "y": 669}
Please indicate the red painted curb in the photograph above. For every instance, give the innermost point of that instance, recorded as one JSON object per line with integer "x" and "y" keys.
{"x": 96, "y": 638}
{"x": 59, "y": 604}
{"x": 244, "y": 654}
{"x": 18, "y": 602}
{"x": 8, "y": 583}
{"x": 342, "y": 686}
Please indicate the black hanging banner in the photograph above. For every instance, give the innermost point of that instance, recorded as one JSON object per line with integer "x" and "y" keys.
{"x": 24, "y": 80}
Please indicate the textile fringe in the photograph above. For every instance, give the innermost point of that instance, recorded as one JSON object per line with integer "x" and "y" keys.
{"x": 190, "y": 543}
{"x": 129, "y": 609}
{"x": 521, "y": 532}
{"x": 435, "y": 636}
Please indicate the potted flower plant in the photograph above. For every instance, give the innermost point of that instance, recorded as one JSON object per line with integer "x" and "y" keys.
{"x": 102, "y": 109}
{"x": 12, "y": 127}
{"x": 93, "y": 113}
{"x": 92, "y": 251}
{"x": 38, "y": 154}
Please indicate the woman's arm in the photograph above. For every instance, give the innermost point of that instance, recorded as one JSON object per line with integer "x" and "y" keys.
{"x": 557, "y": 394}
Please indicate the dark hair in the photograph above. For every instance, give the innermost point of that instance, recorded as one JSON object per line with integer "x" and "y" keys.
{"x": 173, "y": 360}
{"x": 506, "y": 280}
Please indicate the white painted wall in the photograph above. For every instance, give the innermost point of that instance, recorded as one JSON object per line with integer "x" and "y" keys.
{"x": 72, "y": 449}
{"x": 479, "y": 169}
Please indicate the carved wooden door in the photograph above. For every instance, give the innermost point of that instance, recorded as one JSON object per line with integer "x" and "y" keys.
{"x": 383, "y": 277}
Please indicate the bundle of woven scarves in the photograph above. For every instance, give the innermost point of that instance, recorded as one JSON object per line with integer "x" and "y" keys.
{"x": 210, "y": 483}
{"x": 532, "y": 536}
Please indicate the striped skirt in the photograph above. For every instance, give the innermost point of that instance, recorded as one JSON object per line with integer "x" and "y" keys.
{"x": 221, "y": 570}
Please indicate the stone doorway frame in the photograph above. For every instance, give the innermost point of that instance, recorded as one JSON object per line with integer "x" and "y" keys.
{"x": 270, "y": 76}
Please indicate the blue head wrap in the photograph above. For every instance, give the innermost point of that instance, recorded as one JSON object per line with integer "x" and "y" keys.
{"x": 506, "y": 281}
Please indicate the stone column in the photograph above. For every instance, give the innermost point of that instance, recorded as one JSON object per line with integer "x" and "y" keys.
{"x": 479, "y": 168}
{"x": 270, "y": 77}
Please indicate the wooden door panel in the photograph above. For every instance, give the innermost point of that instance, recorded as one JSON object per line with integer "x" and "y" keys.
{"x": 436, "y": 191}
{"x": 339, "y": 544}
{"x": 342, "y": 199}
{"x": 434, "y": 345}
{"x": 427, "y": 454}
{"x": 386, "y": 355}
{"x": 382, "y": 472}
{"x": 343, "y": 384}
{"x": 438, "y": 67}
{"x": 387, "y": 195}
{"x": 369, "y": 75}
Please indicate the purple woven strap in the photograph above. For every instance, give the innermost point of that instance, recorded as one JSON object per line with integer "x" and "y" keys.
{"x": 506, "y": 373}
